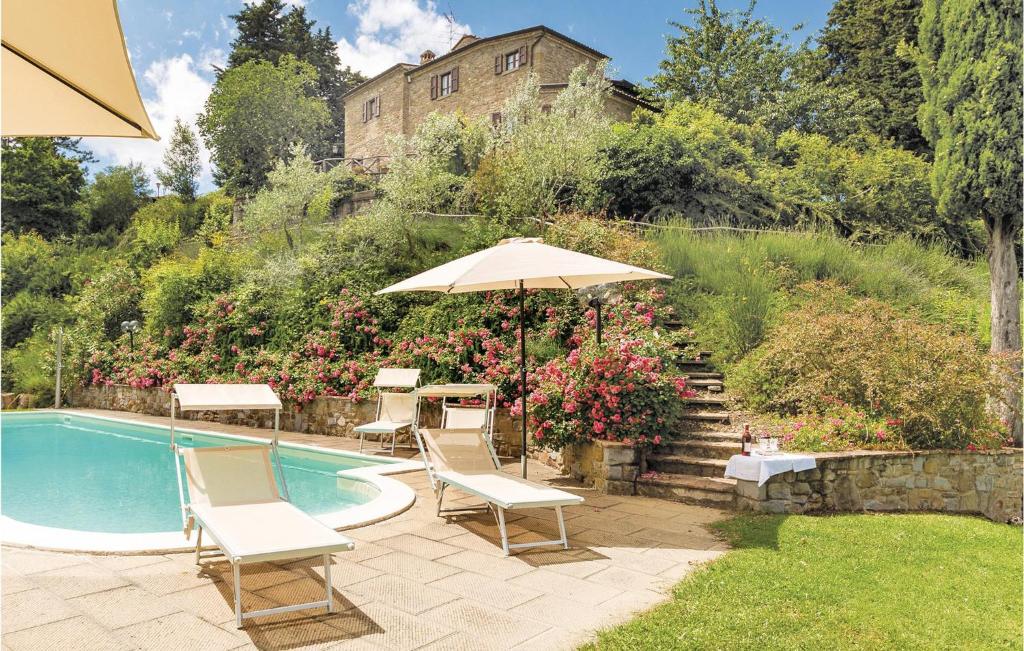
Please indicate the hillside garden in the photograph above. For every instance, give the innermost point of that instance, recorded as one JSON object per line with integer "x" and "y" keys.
{"x": 851, "y": 308}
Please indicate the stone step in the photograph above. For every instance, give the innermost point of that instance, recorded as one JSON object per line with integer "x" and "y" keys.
{"x": 707, "y": 385}
{"x": 706, "y": 401}
{"x": 713, "y": 435}
{"x": 704, "y": 375}
{"x": 705, "y": 449}
{"x": 680, "y": 464}
{"x": 692, "y": 363}
{"x": 701, "y": 491}
{"x": 707, "y": 416}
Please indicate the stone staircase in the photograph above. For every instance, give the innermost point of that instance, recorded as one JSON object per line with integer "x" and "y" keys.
{"x": 690, "y": 468}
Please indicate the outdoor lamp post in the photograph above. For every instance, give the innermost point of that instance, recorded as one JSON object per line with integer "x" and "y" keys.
{"x": 597, "y": 295}
{"x": 131, "y": 327}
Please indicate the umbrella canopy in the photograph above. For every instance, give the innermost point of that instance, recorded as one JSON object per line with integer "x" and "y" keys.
{"x": 521, "y": 263}
{"x": 66, "y": 71}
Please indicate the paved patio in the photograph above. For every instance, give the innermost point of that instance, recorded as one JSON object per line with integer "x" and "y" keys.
{"x": 415, "y": 581}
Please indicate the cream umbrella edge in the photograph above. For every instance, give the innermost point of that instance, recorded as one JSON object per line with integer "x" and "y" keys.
{"x": 461, "y": 269}
{"x": 104, "y": 118}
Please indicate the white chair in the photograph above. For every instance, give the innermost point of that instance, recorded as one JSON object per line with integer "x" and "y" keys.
{"x": 395, "y": 411}
{"x": 464, "y": 459}
{"x": 234, "y": 498}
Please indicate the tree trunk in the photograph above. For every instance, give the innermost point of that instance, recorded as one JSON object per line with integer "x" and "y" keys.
{"x": 1006, "y": 337}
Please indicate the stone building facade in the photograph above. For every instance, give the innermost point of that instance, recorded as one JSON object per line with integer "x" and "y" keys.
{"x": 474, "y": 78}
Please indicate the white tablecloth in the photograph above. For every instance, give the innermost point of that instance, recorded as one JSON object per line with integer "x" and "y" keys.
{"x": 759, "y": 468}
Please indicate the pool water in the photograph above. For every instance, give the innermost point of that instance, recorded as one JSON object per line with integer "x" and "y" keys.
{"x": 94, "y": 474}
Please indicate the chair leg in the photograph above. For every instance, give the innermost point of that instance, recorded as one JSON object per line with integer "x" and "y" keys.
{"x": 327, "y": 580}
{"x": 501, "y": 527}
{"x": 394, "y": 435}
{"x": 440, "y": 496}
{"x": 561, "y": 527}
{"x": 238, "y": 593}
{"x": 199, "y": 544}
{"x": 361, "y": 435}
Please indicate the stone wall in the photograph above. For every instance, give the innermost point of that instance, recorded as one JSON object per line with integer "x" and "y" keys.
{"x": 952, "y": 481}
{"x": 404, "y": 92}
{"x": 609, "y": 467}
{"x": 327, "y": 416}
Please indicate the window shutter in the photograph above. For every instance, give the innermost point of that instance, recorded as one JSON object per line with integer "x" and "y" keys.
{"x": 497, "y": 65}
{"x": 524, "y": 56}
{"x": 433, "y": 87}
{"x": 365, "y": 106}
{"x": 455, "y": 79}
{"x": 376, "y": 107}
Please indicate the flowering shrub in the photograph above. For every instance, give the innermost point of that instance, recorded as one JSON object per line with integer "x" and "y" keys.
{"x": 839, "y": 427}
{"x": 861, "y": 352}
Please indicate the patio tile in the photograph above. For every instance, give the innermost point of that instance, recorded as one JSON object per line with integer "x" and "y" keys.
{"x": 66, "y": 635}
{"x": 579, "y": 563}
{"x": 410, "y": 596}
{"x": 31, "y": 562}
{"x": 621, "y": 578}
{"x": 484, "y": 590}
{"x": 32, "y": 608}
{"x": 169, "y": 576}
{"x": 437, "y": 530}
{"x": 597, "y": 523}
{"x": 700, "y": 540}
{"x": 295, "y": 630}
{"x": 178, "y": 631}
{"x": 562, "y": 613}
{"x": 497, "y": 568}
{"x": 565, "y": 586}
{"x": 554, "y": 640}
{"x": 215, "y": 602}
{"x": 410, "y": 567}
{"x": 417, "y": 546}
{"x": 123, "y": 606}
{"x": 638, "y": 562}
{"x": 389, "y": 627}
{"x": 477, "y": 543}
{"x": 124, "y": 562}
{"x": 78, "y": 580}
{"x": 312, "y": 589}
{"x": 362, "y": 552}
{"x": 13, "y": 582}
{"x": 491, "y": 627}
{"x": 343, "y": 572}
{"x": 460, "y": 641}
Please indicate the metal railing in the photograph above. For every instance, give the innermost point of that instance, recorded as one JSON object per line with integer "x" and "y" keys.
{"x": 373, "y": 166}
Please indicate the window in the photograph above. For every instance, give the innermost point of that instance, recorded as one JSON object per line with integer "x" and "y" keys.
{"x": 444, "y": 84}
{"x": 371, "y": 108}
{"x": 512, "y": 60}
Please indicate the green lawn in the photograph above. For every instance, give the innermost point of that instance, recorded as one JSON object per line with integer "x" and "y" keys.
{"x": 852, "y": 581}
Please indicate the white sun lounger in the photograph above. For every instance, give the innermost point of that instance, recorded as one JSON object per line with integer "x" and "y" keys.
{"x": 395, "y": 411}
{"x": 462, "y": 458}
{"x": 234, "y": 498}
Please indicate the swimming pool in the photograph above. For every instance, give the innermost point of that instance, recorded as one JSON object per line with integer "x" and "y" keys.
{"x": 67, "y": 471}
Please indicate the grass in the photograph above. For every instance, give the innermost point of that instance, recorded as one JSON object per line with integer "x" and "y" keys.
{"x": 853, "y": 581}
{"x": 731, "y": 286}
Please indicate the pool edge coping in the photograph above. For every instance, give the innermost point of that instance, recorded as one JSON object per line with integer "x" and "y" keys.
{"x": 395, "y": 498}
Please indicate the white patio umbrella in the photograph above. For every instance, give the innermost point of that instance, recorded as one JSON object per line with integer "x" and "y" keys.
{"x": 66, "y": 71}
{"x": 521, "y": 263}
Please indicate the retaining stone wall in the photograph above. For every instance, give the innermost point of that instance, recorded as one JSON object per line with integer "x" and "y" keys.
{"x": 329, "y": 416}
{"x": 609, "y": 467}
{"x": 985, "y": 482}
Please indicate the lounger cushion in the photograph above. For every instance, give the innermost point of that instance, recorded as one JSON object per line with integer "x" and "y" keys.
{"x": 268, "y": 531}
{"x": 507, "y": 491}
{"x": 382, "y": 426}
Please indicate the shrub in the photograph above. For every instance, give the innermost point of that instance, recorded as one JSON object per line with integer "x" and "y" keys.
{"x": 862, "y": 352}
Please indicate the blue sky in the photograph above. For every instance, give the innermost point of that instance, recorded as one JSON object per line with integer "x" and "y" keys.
{"x": 174, "y": 43}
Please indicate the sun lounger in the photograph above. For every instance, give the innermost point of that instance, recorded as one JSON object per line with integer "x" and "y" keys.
{"x": 395, "y": 411}
{"x": 234, "y": 498}
{"x": 463, "y": 459}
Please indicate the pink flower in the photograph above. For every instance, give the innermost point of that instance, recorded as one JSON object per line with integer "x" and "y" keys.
{"x": 598, "y": 427}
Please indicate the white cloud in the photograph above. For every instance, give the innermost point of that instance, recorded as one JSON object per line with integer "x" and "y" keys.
{"x": 175, "y": 89}
{"x": 393, "y": 31}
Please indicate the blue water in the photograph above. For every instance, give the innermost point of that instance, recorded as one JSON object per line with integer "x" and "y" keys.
{"x": 92, "y": 474}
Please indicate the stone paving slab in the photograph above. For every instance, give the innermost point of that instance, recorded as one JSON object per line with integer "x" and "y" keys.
{"x": 415, "y": 581}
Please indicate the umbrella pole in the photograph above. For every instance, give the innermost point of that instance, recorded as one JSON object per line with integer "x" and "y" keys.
{"x": 522, "y": 364}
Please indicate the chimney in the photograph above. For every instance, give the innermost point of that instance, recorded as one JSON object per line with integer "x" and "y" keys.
{"x": 426, "y": 57}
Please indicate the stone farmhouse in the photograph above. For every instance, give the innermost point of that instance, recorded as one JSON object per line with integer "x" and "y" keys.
{"x": 475, "y": 77}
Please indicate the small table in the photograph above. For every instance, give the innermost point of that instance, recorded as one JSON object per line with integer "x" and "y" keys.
{"x": 760, "y": 468}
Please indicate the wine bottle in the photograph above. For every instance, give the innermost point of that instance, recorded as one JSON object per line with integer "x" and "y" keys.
{"x": 748, "y": 441}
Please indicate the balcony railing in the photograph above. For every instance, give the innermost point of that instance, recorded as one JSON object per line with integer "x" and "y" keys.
{"x": 373, "y": 166}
